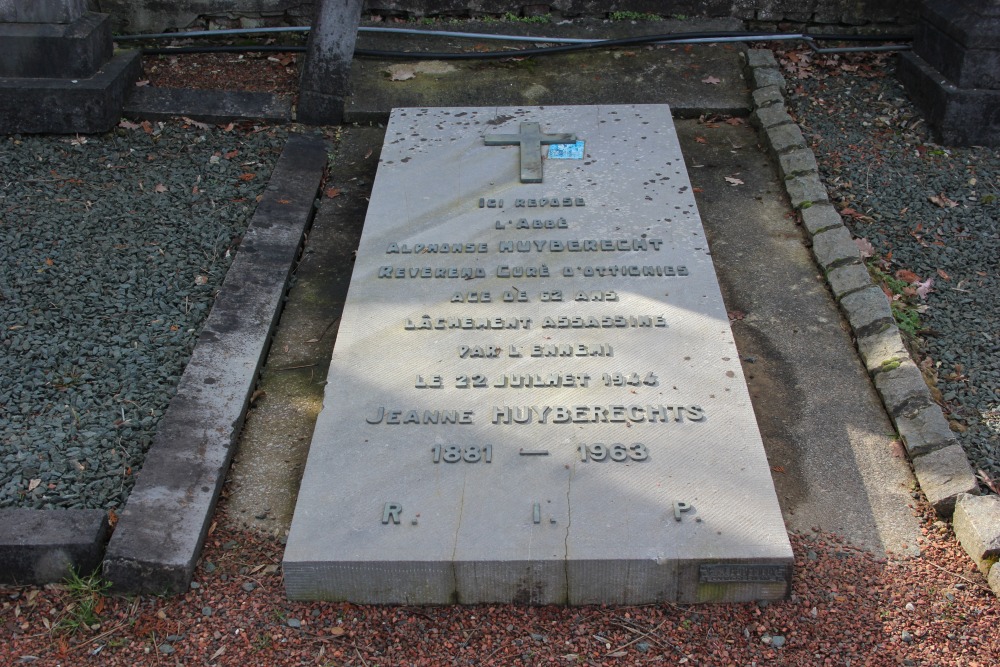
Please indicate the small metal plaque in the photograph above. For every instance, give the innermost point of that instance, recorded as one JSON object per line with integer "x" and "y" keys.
{"x": 566, "y": 151}
{"x": 734, "y": 573}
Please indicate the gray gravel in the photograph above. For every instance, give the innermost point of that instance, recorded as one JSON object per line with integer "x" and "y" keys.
{"x": 111, "y": 250}
{"x": 876, "y": 158}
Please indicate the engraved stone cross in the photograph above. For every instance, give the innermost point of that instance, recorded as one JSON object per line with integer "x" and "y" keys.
{"x": 530, "y": 140}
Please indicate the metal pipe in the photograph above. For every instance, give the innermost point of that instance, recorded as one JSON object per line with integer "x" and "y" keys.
{"x": 400, "y": 31}
{"x": 762, "y": 37}
{"x": 210, "y": 33}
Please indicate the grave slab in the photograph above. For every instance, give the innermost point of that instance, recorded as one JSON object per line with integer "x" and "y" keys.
{"x": 535, "y": 395}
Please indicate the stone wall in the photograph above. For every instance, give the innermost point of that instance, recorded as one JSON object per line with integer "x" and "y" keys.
{"x": 134, "y": 16}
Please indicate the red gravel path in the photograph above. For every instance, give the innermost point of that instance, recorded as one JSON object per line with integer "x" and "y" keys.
{"x": 847, "y": 608}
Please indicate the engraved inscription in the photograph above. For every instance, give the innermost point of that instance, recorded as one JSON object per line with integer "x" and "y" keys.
{"x": 471, "y": 297}
{"x": 434, "y": 382}
{"x": 617, "y": 452}
{"x": 428, "y": 323}
{"x": 593, "y": 414}
{"x": 523, "y": 223}
{"x": 435, "y": 248}
{"x": 629, "y": 380}
{"x": 497, "y": 351}
{"x": 554, "y": 202}
{"x": 605, "y": 322}
{"x": 581, "y": 245}
{"x": 457, "y": 453}
{"x": 383, "y": 415}
{"x": 535, "y": 380}
{"x": 391, "y": 512}
{"x": 401, "y": 272}
{"x": 629, "y": 271}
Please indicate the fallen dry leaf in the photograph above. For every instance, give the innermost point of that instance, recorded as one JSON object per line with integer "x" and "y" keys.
{"x": 332, "y": 192}
{"x": 898, "y": 450}
{"x": 33, "y": 484}
{"x": 194, "y": 123}
{"x": 944, "y": 276}
{"x": 247, "y": 176}
{"x": 924, "y": 287}
{"x": 397, "y": 73}
{"x": 942, "y": 201}
{"x": 987, "y": 480}
{"x": 160, "y": 187}
{"x": 200, "y": 280}
{"x": 701, "y": 140}
{"x": 736, "y": 315}
{"x": 732, "y": 180}
{"x": 735, "y": 121}
{"x": 865, "y": 248}
{"x": 907, "y": 276}
{"x": 129, "y": 125}
{"x": 712, "y": 80}
{"x": 405, "y": 71}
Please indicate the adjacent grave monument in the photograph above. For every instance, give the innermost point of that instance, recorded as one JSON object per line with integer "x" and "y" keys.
{"x": 535, "y": 395}
{"x": 58, "y": 72}
{"x": 953, "y": 71}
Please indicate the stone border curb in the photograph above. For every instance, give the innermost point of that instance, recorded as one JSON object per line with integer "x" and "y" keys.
{"x": 159, "y": 535}
{"x": 976, "y": 523}
{"x": 45, "y": 546}
{"x": 207, "y": 106}
{"x": 939, "y": 462}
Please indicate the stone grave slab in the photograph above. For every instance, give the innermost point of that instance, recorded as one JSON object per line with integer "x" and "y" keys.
{"x": 535, "y": 395}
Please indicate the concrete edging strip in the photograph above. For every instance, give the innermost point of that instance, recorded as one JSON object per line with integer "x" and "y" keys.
{"x": 45, "y": 546}
{"x": 207, "y": 106}
{"x": 159, "y": 535}
{"x": 938, "y": 460}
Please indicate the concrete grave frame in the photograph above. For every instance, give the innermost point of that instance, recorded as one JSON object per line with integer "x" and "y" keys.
{"x": 160, "y": 531}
